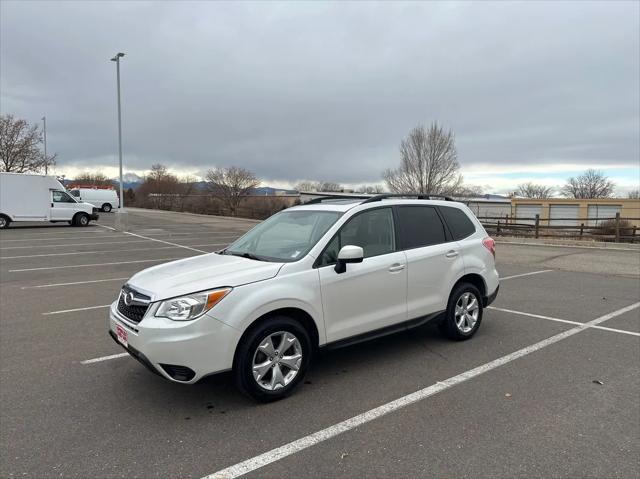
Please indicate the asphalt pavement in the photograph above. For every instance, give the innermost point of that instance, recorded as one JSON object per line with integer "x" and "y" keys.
{"x": 549, "y": 386}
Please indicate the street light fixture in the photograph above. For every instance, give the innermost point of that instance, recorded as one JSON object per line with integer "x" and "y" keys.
{"x": 116, "y": 59}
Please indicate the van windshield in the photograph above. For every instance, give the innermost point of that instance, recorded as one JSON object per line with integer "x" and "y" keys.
{"x": 75, "y": 193}
{"x": 287, "y": 236}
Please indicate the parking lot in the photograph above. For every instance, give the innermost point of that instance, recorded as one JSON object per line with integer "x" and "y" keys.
{"x": 550, "y": 385}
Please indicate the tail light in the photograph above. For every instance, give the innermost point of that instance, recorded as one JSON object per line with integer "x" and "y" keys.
{"x": 490, "y": 244}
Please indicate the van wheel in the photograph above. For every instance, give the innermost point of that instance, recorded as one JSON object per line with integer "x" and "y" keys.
{"x": 106, "y": 207}
{"x": 272, "y": 359}
{"x": 4, "y": 222}
{"x": 81, "y": 219}
{"x": 464, "y": 312}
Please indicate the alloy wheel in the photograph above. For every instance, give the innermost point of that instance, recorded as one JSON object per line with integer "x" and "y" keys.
{"x": 277, "y": 360}
{"x": 467, "y": 312}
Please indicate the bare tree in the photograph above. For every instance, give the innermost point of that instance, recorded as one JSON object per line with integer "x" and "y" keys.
{"x": 93, "y": 179}
{"x": 20, "y": 146}
{"x": 230, "y": 185}
{"x": 308, "y": 186}
{"x": 318, "y": 186}
{"x": 330, "y": 186}
{"x": 532, "y": 190}
{"x": 428, "y": 163}
{"x": 633, "y": 194}
{"x": 591, "y": 184}
{"x": 468, "y": 191}
{"x": 370, "y": 189}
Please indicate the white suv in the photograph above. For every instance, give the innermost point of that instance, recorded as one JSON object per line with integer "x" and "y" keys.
{"x": 324, "y": 274}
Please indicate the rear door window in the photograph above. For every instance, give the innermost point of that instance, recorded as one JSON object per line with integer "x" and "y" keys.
{"x": 420, "y": 226}
{"x": 458, "y": 222}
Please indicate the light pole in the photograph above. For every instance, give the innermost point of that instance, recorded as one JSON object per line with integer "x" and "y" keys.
{"x": 116, "y": 59}
{"x": 44, "y": 130}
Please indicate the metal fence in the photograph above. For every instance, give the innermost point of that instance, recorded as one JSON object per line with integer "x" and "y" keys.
{"x": 614, "y": 229}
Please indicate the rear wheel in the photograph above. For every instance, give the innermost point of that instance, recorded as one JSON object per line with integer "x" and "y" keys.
{"x": 4, "y": 222}
{"x": 81, "y": 219}
{"x": 464, "y": 312}
{"x": 272, "y": 359}
{"x": 106, "y": 207}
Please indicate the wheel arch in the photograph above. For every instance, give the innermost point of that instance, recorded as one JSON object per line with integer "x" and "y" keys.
{"x": 474, "y": 279}
{"x": 295, "y": 313}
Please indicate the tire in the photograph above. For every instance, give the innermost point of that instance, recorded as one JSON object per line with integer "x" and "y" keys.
{"x": 4, "y": 222}
{"x": 261, "y": 346}
{"x": 106, "y": 208}
{"x": 462, "y": 327}
{"x": 81, "y": 219}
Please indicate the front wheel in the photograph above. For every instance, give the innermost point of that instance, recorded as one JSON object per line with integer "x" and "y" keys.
{"x": 464, "y": 312}
{"x": 4, "y": 222}
{"x": 272, "y": 359}
{"x": 106, "y": 207}
{"x": 81, "y": 219}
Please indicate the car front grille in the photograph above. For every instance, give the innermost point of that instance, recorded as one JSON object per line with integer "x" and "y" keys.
{"x": 137, "y": 307}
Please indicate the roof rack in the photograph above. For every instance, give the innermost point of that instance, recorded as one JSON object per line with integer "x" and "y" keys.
{"x": 320, "y": 199}
{"x": 417, "y": 196}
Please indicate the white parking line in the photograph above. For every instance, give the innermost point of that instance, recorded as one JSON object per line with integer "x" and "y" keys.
{"x": 101, "y": 235}
{"x": 60, "y": 245}
{"x": 549, "y": 318}
{"x": 106, "y": 251}
{"x": 526, "y": 274}
{"x": 69, "y": 244}
{"x": 74, "y": 283}
{"x": 298, "y": 445}
{"x": 167, "y": 242}
{"x": 104, "y": 358}
{"x": 74, "y": 310}
{"x": 93, "y": 264}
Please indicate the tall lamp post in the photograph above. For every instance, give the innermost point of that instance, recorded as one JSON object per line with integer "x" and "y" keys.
{"x": 44, "y": 130}
{"x": 116, "y": 59}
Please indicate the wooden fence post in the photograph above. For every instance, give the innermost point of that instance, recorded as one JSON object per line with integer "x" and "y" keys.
{"x": 537, "y": 225}
{"x": 633, "y": 234}
{"x": 581, "y": 229}
{"x": 618, "y": 227}
{"x": 498, "y": 228}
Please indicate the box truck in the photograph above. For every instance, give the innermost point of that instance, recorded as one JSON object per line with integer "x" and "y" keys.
{"x": 26, "y": 197}
{"x": 104, "y": 198}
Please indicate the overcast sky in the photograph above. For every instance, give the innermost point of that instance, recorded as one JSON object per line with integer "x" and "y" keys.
{"x": 534, "y": 91}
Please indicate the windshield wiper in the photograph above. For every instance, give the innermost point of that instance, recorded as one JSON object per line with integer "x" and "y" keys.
{"x": 246, "y": 255}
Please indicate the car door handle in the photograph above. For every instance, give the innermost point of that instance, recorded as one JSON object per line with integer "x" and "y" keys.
{"x": 451, "y": 254}
{"x": 396, "y": 267}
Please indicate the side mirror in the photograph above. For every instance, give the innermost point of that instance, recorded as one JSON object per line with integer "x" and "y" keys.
{"x": 348, "y": 254}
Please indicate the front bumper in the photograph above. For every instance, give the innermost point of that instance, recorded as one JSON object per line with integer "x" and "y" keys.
{"x": 182, "y": 352}
{"x": 94, "y": 216}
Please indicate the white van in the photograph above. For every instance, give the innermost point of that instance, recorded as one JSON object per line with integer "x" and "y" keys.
{"x": 103, "y": 198}
{"x": 25, "y": 197}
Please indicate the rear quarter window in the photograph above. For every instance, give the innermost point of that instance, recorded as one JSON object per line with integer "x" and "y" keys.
{"x": 458, "y": 222}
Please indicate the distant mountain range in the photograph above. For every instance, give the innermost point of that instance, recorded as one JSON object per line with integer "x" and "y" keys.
{"x": 132, "y": 180}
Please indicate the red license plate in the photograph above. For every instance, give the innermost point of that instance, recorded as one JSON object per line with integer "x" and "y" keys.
{"x": 121, "y": 333}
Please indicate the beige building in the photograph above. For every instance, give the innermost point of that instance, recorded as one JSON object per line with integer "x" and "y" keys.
{"x": 573, "y": 212}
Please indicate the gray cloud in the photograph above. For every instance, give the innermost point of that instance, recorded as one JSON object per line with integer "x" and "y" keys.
{"x": 326, "y": 90}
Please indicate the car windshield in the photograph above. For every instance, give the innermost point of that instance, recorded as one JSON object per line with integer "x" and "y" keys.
{"x": 286, "y": 236}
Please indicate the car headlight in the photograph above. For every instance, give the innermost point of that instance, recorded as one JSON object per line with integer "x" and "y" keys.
{"x": 191, "y": 306}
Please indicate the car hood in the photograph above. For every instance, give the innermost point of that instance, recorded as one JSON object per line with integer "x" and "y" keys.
{"x": 200, "y": 273}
